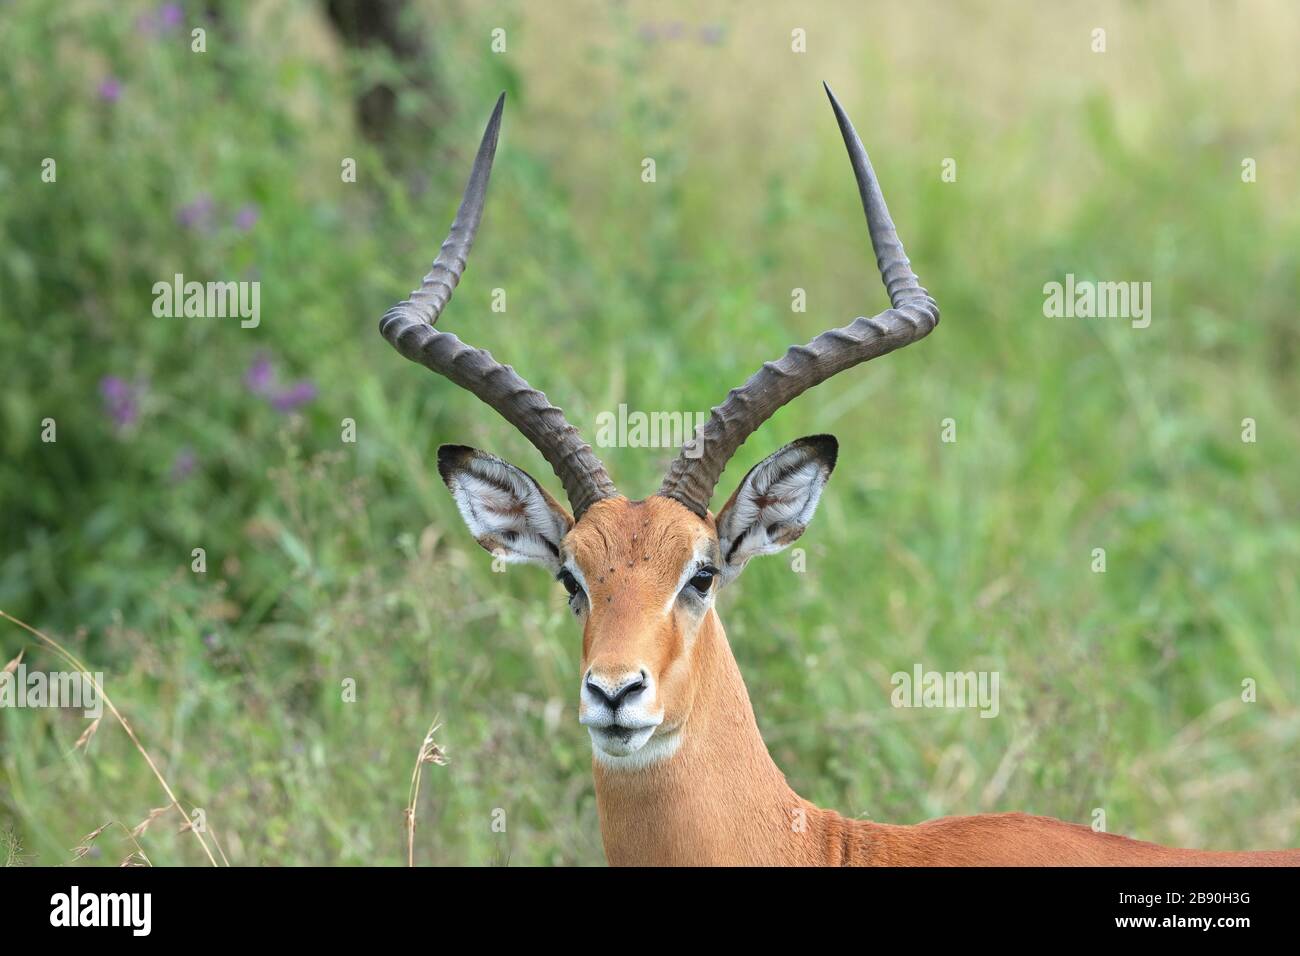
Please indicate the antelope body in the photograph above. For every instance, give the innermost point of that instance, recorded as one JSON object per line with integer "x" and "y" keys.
{"x": 682, "y": 774}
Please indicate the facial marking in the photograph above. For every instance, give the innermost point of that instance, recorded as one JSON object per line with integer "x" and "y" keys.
{"x": 634, "y": 559}
{"x": 705, "y": 556}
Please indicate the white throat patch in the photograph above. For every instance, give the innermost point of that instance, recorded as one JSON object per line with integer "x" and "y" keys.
{"x": 657, "y": 749}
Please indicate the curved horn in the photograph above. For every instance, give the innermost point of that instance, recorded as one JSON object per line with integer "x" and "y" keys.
{"x": 409, "y": 327}
{"x": 694, "y": 474}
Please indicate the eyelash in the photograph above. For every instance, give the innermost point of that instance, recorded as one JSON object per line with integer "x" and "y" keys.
{"x": 571, "y": 585}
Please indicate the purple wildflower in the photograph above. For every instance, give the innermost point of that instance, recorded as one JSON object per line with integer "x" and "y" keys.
{"x": 260, "y": 376}
{"x": 712, "y": 35}
{"x": 113, "y": 388}
{"x": 197, "y": 214}
{"x": 299, "y": 393}
{"x": 120, "y": 401}
{"x": 183, "y": 464}
{"x": 165, "y": 19}
{"x": 260, "y": 379}
{"x": 246, "y": 218}
{"x": 110, "y": 89}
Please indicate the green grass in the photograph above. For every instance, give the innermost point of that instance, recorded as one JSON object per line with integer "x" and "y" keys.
{"x": 328, "y": 561}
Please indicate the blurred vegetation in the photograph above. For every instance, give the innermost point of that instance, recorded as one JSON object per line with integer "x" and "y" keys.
{"x": 328, "y": 560}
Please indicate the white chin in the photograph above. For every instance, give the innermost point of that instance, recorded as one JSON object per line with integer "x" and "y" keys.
{"x": 614, "y": 744}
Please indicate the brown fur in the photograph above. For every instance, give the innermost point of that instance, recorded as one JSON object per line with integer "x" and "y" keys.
{"x": 720, "y": 799}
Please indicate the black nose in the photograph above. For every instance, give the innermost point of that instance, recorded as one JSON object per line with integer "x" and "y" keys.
{"x": 614, "y": 697}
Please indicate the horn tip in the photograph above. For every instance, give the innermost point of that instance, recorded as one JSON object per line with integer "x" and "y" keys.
{"x": 494, "y": 121}
{"x": 841, "y": 117}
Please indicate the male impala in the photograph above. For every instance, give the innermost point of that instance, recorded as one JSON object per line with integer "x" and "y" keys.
{"x": 682, "y": 775}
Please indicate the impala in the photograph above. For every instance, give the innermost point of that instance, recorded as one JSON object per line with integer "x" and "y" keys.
{"x": 681, "y": 773}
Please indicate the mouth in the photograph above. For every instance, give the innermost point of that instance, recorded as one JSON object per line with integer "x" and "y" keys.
{"x": 620, "y": 740}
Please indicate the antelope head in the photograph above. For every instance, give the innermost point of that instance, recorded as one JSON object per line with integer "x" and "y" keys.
{"x": 642, "y": 576}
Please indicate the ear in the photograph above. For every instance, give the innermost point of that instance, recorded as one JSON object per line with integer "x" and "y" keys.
{"x": 775, "y": 502}
{"x": 506, "y": 510}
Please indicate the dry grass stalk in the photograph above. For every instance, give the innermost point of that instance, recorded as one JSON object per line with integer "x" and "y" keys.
{"x": 216, "y": 844}
{"x": 89, "y": 839}
{"x": 13, "y": 664}
{"x": 81, "y": 668}
{"x": 430, "y": 752}
{"x": 154, "y": 814}
{"x": 87, "y": 734}
{"x": 12, "y": 846}
{"x": 82, "y": 848}
{"x": 137, "y": 856}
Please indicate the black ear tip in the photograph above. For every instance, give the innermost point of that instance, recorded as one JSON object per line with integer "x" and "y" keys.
{"x": 452, "y": 457}
{"x": 825, "y": 447}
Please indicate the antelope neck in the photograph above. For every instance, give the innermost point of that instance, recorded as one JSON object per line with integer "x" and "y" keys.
{"x": 719, "y": 798}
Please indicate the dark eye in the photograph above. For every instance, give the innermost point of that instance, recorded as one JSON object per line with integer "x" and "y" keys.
{"x": 570, "y": 582}
{"x": 703, "y": 580}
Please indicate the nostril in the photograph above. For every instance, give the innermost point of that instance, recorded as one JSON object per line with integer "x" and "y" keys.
{"x": 629, "y": 690}
{"x": 598, "y": 691}
{"x": 613, "y": 699}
